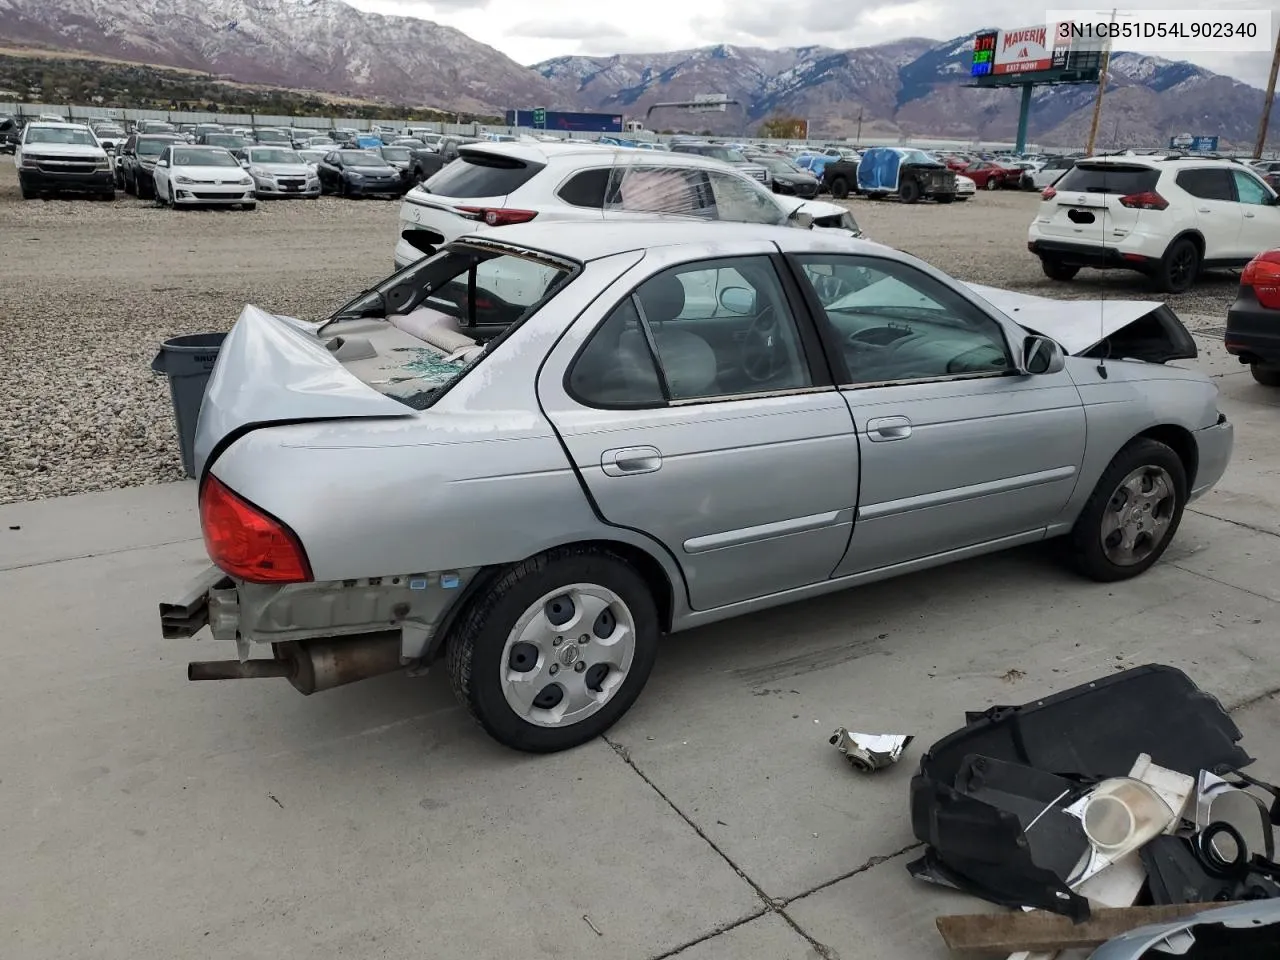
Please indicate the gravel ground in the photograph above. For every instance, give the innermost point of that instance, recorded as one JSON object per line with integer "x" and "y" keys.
{"x": 90, "y": 289}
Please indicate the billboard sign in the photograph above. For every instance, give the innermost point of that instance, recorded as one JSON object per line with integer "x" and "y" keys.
{"x": 1194, "y": 144}
{"x": 1029, "y": 50}
{"x": 711, "y": 103}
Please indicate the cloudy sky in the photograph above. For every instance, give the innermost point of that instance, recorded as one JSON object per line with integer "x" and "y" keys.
{"x": 642, "y": 26}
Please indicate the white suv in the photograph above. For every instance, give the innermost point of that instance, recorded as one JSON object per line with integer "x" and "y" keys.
{"x": 496, "y": 184}
{"x": 1166, "y": 218}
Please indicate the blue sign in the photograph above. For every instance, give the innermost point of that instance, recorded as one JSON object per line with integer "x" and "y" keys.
{"x": 1194, "y": 144}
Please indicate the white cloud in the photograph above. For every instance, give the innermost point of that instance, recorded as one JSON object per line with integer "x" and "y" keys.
{"x": 589, "y": 27}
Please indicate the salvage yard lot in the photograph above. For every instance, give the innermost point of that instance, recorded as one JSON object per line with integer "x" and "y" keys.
{"x": 151, "y": 818}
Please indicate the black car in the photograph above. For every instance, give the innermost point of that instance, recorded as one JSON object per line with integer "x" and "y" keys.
{"x": 136, "y": 161}
{"x": 401, "y": 158}
{"x": 1253, "y": 321}
{"x": 10, "y": 134}
{"x": 273, "y": 138}
{"x": 840, "y": 178}
{"x": 786, "y": 177}
{"x": 359, "y": 173}
{"x": 427, "y": 162}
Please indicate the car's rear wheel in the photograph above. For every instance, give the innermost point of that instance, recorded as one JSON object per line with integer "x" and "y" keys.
{"x": 1266, "y": 374}
{"x": 992, "y": 183}
{"x": 1055, "y": 269}
{"x": 556, "y": 650}
{"x": 1179, "y": 267}
{"x": 1132, "y": 514}
{"x": 909, "y": 191}
{"x": 840, "y": 188}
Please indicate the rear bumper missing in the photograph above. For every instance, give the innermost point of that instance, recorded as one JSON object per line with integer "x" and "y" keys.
{"x": 412, "y": 605}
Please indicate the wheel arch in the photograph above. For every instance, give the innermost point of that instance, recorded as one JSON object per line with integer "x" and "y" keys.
{"x": 652, "y": 570}
{"x": 1181, "y": 441}
{"x": 1192, "y": 234}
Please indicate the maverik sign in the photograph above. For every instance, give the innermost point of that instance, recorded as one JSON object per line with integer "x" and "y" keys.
{"x": 1030, "y": 50}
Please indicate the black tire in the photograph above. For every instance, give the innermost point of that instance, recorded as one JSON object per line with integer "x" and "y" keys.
{"x": 27, "y": 192}
{"x": 1267, "y": 375}
{"x": 909, "y": 191}
{"x": 145, "y": 188}
{"x": 945, "y": 198}
{"x": 1055, "y": 269}
{"x": 1088, "y": 554}
{"x": 992, "y": 184}
{"x": 479, "y": 638}
{"x": 1179, "y": 267}
{"x": 840, "y": 188}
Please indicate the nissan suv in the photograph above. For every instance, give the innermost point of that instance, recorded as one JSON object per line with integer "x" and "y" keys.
{"x": 1168, "y": 218}
{"x": 726, "y": 154}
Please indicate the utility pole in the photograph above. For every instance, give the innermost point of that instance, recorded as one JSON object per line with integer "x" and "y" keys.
{"x": 858, "y": 139}
{"x": 1266, "y": 101}
{"x": 1102, "y": 87}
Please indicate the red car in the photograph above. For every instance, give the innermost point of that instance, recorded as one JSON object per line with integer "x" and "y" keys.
{"x": 957, "y": 162}
{"x": 989, "y": 175}
{"x": 1253, "y": 321}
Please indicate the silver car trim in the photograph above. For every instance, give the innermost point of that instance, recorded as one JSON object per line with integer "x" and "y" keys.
{"x": 945, "y": 379}
{"x": 764, "y": 531}
{"x": 907, "y": 504}
{"x": 728, "y": 398}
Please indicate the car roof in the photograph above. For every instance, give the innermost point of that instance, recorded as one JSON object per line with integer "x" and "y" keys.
{"x": 1158, "y": 162}
{"x": 587, "y": 241}
{"x": 545, "y": 153}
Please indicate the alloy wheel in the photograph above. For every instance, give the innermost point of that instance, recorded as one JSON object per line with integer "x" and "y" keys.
{"x": 1138, "y": 516}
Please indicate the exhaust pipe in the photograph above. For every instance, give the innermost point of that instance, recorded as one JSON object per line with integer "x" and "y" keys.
{"x": 312, "y": 665}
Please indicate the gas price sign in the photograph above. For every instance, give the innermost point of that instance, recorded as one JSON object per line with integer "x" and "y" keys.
{"x": 984, "y": 53}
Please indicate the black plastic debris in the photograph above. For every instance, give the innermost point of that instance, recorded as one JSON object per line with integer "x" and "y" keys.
{"x": 989, "y": 799}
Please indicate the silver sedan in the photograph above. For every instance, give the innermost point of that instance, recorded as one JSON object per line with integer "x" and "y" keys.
{"x": 280, "y": 172}
{"x": 532, "y": 454}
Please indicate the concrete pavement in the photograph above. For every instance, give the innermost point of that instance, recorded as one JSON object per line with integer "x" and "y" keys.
{"x": 148, "y": 818}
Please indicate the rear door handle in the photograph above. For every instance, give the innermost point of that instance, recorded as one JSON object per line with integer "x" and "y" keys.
{"x": 888, "y": 428}
{"x": 1250, "y": 213}
{"x": 627, "y": 461}
{"x": 1203, "y": 210}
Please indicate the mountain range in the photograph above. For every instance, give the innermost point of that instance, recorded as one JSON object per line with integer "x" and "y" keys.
{"x": 908, "y": 87}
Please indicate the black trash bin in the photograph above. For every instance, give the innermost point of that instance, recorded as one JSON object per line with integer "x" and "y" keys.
{"x": 187, "y": 362}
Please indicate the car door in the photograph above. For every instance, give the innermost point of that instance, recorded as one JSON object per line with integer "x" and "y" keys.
{"x": 714, "y": 429}
{"x": 958, "y": 451}
{"x": 330, "y": 170}
{"x": 161, "y": 174}
{"x": 1260, "y": 217}
{"x": 1219, "y": 216}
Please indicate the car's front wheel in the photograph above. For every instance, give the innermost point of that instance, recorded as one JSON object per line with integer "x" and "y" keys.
{"x": 1132, "y": 514}
{"x": 992, "y": 183}
{"x": 556, "y": 650}
{"x": 1266, "y": 374}
{"x": 840, "y": 188}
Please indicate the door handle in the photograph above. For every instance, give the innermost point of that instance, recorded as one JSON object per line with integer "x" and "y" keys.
{"x": 1203, "y": 210}
{"x": 1250, "y": 213}
{"x": 888, "y": 428}
{"x": 626, "y": 461}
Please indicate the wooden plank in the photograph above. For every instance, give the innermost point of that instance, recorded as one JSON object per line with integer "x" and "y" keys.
{"x": 1039, "y": 931}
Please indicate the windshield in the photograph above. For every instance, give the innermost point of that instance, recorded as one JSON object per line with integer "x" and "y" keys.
{"x": 203, "y": 158}
{"x": 274, "y": 156}
{"x": 724, "y": 153}
{"x": 159, "y": 127}
{"x": 152, "y": 148}
{"x": 272, "y": 136}
{"x": 361, "y": 158}
{"x": 778, "y": 164}
{"x": 224, "y": 140}
{"x": 396, "y": 153}
{"x": 106, "y": 131}
{"x": 76, "y": 135}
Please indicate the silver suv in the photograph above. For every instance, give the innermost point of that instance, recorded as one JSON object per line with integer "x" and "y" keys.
{"x": 726, "y": 154}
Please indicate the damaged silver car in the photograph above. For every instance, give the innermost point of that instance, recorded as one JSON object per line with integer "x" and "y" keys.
{"x": 535, "y": 452}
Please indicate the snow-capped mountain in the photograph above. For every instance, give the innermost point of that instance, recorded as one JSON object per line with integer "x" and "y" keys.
{"x": 312, "y": 44}
{"x": 911, "y": 86}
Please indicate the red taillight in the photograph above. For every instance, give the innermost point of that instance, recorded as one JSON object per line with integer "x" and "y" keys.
{"x": 1149, "y": 200}
{"x": 1048, "y": 194}
{"x": 247, "y": 543}
{"x": 1263, "y": 274}
{"x": 498, "y": 216}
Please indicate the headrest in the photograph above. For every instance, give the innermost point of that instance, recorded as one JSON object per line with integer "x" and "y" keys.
{"x": 662, "y": 297}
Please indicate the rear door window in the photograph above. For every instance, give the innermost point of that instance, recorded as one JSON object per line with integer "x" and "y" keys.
{"x": 1207, "y": 183}
{"x": 1116, "y": 178}
{"x": 476, "y": 175}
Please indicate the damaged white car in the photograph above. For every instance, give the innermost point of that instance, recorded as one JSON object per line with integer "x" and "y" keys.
{"x": 533, "y": 453}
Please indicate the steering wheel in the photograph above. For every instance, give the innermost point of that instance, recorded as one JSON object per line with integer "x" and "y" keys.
{"x": 831, "y": 288}
{"x": 760, "y": 347}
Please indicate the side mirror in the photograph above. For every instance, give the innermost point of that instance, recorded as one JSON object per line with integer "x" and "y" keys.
{"x": 802, "y": 220}
{"x": 738, "y": 300}
{"x": 162, "y": 163}
{"x": 1040, "y": 355}
{"x": 245, "y": 164}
